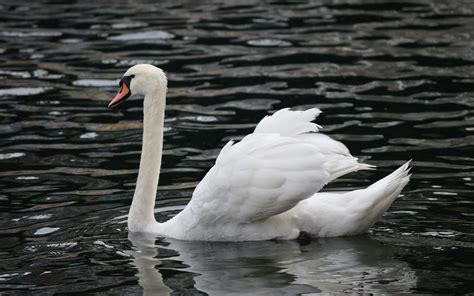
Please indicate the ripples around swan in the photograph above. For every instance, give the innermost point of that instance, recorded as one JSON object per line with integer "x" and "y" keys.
{"x": 394, "y": 80}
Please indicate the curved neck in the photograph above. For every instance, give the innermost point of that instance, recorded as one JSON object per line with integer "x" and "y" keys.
{"x": 141, "y": 216}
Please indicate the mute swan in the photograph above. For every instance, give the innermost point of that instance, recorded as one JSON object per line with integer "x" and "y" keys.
{"x": 261, "y": 188}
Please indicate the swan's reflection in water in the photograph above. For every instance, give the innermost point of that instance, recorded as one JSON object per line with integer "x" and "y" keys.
{"x": 144, "y": 259}
{"x": 350, "y": 264}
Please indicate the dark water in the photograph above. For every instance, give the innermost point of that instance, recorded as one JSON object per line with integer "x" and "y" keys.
{"x": 394, "y": 79}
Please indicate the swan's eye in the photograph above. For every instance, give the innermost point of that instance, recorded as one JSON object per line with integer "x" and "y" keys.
{"x": 127, "y": 80}
{"x": 124, "y": 92}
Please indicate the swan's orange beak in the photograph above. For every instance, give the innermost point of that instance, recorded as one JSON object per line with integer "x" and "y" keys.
{"x": 121, "y": 95}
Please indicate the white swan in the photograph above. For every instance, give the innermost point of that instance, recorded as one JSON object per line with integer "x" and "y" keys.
{"x": 263, "y": 187}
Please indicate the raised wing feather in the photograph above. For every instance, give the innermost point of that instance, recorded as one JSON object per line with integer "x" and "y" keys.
{"x": 288, "y": 123}
{"x": 299, "y": 125}
{"x": 261, "y": 176}
{"x": 282, "y": 163}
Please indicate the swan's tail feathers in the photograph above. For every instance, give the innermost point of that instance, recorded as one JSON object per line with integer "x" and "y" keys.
{"x": 381, "y": 194}
{"x": 351, "y": 212}
{"x": 400, "y": 176}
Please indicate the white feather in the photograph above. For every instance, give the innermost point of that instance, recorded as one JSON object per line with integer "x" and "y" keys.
{"x": 289, "y": 123}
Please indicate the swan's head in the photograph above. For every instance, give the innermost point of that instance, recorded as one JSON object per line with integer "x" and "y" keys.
{"x": 142, "y": 79}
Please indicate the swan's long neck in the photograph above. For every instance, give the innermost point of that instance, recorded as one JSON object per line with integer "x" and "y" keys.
{"x": 141, "y": 216}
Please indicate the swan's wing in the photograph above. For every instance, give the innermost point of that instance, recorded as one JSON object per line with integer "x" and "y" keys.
{"x": 299, "y": 125}
{"x": 261, "y": 176}
{"x": 283, "y": 162}
{"x": 288, "y": 123}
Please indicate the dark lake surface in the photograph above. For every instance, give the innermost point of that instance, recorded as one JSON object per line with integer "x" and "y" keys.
{"x": 395, "y": 81}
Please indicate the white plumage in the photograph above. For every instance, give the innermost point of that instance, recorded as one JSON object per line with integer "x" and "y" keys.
{"x": 262, "y": 187}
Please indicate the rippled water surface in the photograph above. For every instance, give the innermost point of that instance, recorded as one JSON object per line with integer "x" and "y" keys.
{"x": 394, "y": 79}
